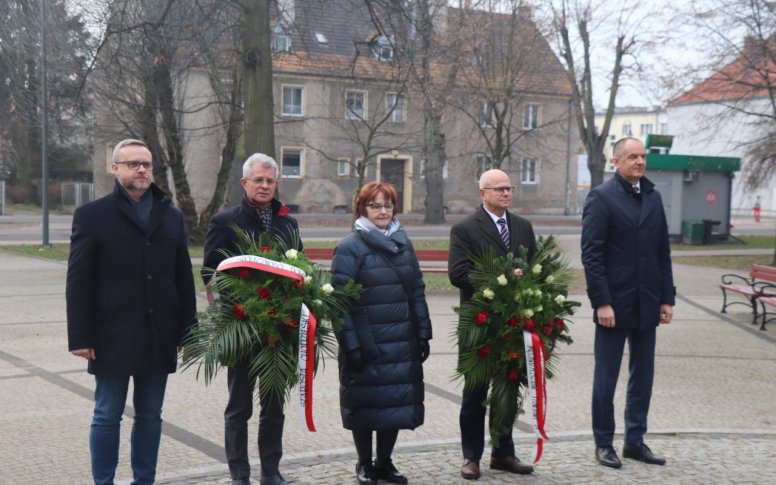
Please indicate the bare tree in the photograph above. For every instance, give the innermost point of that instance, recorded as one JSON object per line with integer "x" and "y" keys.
{"x": 573, "y": 23}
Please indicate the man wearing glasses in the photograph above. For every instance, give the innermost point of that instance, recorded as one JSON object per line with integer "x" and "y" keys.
{"x": 491, "y": 226}
{"x": 130, "y": 300}
{"x": 262, "y": 216}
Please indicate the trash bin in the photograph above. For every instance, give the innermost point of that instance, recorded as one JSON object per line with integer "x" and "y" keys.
{"x": 708, "y": 228}
{"x": 693, "y": 232}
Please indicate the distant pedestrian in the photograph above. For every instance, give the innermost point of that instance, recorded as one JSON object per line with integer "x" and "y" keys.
{"x": 757, "y": 209}
{"x": 130, "y": 300}
{"x": 627, "y": 260}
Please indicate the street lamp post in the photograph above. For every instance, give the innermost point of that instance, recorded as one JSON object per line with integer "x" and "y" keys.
{"x": 44, "y": 125}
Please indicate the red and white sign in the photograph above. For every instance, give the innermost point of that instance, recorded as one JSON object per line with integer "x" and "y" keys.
{"x": 711, "y": 197}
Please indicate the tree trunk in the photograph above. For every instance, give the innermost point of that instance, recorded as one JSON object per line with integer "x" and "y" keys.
{"x": 596, "y": 164}
{"x": 435, "y": 157}
{"x": 257, "y": 72}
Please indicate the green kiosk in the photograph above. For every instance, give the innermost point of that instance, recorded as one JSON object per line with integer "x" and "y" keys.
{"x": 696, "y": 191}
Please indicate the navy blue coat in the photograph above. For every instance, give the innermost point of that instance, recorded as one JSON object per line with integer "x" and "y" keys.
{"x": 388, "y": 392}
{"x": 220, "y": 235}
{"x": 626, "y": 252}
{"x": 130, "y": 292}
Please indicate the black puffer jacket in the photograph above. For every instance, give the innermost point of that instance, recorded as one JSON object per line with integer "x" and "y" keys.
{"x": 388, "y": 392}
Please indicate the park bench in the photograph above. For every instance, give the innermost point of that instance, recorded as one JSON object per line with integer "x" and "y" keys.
{"x": 424, "y": 256}
{"x": 758, "y": 288}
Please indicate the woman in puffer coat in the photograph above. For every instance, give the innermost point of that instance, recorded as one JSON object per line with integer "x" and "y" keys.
{"x": 384, "y": 340}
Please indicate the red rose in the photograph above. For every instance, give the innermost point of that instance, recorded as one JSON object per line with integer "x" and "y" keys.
{"x": 243, "y": 273}
{"x": 547, "y": 329}
{"x": 484, "y": 352}
{"x": 291, "y": 323}
{"x": 239, "y": 311}
{"x": 513, "y": 356}
{"x": 514, "y": 322}
{"x": 298, "y": 284}
{"x": 559, "y": 323}
{"x": 512, "y": 375}
{"x": 283, "y": 210}
{"x": 481, "y": 318}
{"x": 529, "y": 325}
{"x": 265, "y": 249}
{"x": 263, "y": 292}
{"x": 272, "y": 312}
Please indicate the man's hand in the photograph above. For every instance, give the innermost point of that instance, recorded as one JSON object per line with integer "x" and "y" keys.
{"x": 87, "y": 354}
{"x": 666, "y": 314}
{"x": 606, "y": 316}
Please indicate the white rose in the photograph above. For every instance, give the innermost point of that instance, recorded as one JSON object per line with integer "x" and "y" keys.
{"x": 308, "y": 279}
{"x": 537, "y": 292}
{"x": 538, "y": 308}
{"x": 528, "y": 313}
{"x": 327, "y": 288}
{"x": 536, "y": 269}
{"x": 292, "y": 254}
{"x": 502, "y": 280}
{"x": 550, "y": 279}
{"x": 317, "y": 302}
{"x": 560, "y": 299}
{"x": 488, "y": 293}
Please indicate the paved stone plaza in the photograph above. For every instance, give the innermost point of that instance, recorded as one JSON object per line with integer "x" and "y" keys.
{"x": 713, "y": 412}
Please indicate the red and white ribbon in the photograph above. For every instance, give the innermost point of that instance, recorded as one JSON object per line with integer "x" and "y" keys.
{"x": 537, "y": 388}
{"x": 307, "y": 326}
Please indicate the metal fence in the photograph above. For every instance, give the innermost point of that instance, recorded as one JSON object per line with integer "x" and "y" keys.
{"x": 76, "y": 194}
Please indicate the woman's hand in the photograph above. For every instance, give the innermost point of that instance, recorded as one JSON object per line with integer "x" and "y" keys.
{"x": 425, "y": 349}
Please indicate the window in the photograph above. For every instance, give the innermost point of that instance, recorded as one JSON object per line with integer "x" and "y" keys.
{"x": 531, "y": 116}
{"x": 385, "y": 54}
{"x": 394, "y": 104}
{"x": 343, "y": 167}
{"x": 482, "y": 163}
{"x": 355, "y": 105}
{"x": 626, "y": 129}
{"x": 292, "y": 101}
{"x": 530, "y": 171}
{"x": 645, "y": 129}
{"x": 281, "y": 43}
{"x": 382, "y": 48}
{"x": 291, "y": 165}
{"x": 485, "y": 117}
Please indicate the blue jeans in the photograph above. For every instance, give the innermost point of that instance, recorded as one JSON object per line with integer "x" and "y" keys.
{"x": 110, "y": 397}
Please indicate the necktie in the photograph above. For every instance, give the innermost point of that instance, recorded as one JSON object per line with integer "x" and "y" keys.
{"x": 636, "y": 190}
{"x": 502, "y": 224}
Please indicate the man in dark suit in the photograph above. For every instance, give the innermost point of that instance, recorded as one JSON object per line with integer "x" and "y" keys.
{"x": 130, "y": 300}
{"x": 491, "y": 226}
{"x": 627, "y": 260}
{"x": 259, "y": 213}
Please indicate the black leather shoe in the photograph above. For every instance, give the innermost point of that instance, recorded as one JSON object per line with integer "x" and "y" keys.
{"x": 641, "y": 452}
{"x": 241, "y": 481}
{"x": 366, "y": 474}
{"x": 275, "y": 479}
{"x": 606, "y": 456}
{"x": 387, "y": 472}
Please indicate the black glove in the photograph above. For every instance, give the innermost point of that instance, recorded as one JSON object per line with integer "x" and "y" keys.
{"x": 425, "y": 349}
{"x": 353, "y": 360}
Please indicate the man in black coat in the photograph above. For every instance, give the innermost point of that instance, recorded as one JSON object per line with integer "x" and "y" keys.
{"x": 627, "y": 260}
{"x": 491, "y": 226}
{"x": 258, "y": 213}
{"x": 130, "y": 300}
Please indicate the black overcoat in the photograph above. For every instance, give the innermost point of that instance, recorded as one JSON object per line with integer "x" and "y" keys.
{"x": 388, "y": 392}
{"x": 626, "y": 252}
{"x": 130, "y": 292}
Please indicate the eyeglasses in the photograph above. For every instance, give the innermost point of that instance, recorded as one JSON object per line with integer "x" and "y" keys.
{"x": 379, "y": 207}
{"x": 262, "y": 181}
{"x": 501, "y": 190}
{"x": 134, "y": 165}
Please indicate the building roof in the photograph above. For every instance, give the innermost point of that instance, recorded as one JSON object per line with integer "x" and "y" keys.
{"x": 748, "y": 76}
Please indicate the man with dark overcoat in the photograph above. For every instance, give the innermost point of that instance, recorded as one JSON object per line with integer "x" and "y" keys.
{"x": 627, "y": 260}
{"x": 258, "y": 213}
{"x": 130, "y": 301}
{"x": 491, "y": 226}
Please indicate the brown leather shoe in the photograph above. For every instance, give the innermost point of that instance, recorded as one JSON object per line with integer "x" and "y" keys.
{"x": 510, "y": 464}
{"x": 470, "y": 469}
